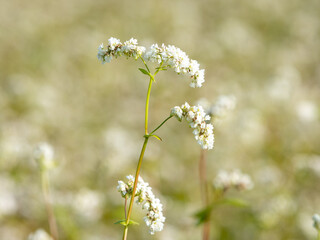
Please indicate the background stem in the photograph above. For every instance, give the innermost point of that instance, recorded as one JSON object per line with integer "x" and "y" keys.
{"x": 47, "y": 200}
{"x": 204, "y": 191}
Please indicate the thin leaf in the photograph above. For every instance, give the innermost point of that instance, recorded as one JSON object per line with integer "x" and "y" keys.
{"x": 122, "y": 222}
{"x": 144, "y": 71}
{"x": 131, "y": 222}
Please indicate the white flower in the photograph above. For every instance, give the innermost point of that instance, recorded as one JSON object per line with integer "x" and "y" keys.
{"x": 234, "y": 179}
{"x": 44, "y": 155}
{"x": 154, "y": 218}
{"x": 316, "y": 221}
{"x": 40, "y": 234}
{"x": 196, "y": 117}
{"x": 168, "y": 56}
{"x": 116, "y": 49}
{"x": 173, "y": 57}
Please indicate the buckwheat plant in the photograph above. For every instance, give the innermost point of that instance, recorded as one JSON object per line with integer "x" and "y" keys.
{"x": 164, "y": 57}
{"x": 44, "y": 156}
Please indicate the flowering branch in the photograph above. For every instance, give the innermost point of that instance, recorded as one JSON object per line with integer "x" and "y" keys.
{"x": 167, "y": 57}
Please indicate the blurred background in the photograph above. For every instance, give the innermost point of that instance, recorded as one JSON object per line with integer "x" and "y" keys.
{"x": 53, "y": 89}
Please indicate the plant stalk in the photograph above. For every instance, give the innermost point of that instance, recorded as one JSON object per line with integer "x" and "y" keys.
{"x": 47, "y": 200}
{"x": 204, "y": 191}
{"x": 125, "y": 232}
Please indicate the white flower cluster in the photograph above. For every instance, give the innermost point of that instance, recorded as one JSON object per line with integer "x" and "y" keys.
{"x": 154, "y": 218}
{"x": 44, "y": 155}
{"x": 168, "y": 56}
{"x": 116, "y": 49}
{"x": 234, "y": 179}
{"x": 40, "y": 234}
{"x": 173, "y": 57}
{"x": 197, "y": 119}
{"x": 221, "y": 107}
{"x": 316, "y": 221}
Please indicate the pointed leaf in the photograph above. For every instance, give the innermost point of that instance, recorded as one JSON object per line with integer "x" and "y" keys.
{"x": 122, "y": 222}
{"x": 131, "y": 222}
{"x": 144, "y": 71}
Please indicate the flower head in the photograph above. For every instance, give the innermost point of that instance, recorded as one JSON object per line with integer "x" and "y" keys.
{"x": 154, "y": 218}
{"x": 197, "y": 119}
{"x": 116, "y": 49}
{"x": 173, "y": 57}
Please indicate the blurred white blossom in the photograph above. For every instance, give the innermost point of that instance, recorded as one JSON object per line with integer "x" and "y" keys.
{"x": 234, "y": 179}
{"x": 8, "y": 201}
{"x": 40, "y": 234}
{"x": 44, "y": 155}
{"x": 88, "y": 203}
{"x": 197, "y": 119}
{"x": 220, "y": 108}
{"x": 316, "y": 221}
{"x": 307, "y": 111}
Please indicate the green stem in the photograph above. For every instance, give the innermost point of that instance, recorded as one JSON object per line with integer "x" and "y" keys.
{"x": 47, "y": 200}
{"x": 144, "y": 62}
{"x": 146, "y": 136}
{"x": 161, "y": 124}
{"x": 125, "y": 232}
{"x": 147, "y": 107}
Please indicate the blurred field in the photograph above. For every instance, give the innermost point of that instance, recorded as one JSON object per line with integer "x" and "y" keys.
{"x": 52, "y": 88}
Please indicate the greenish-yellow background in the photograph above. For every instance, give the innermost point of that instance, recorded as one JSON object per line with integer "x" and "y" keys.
{"x": 52, "y": 88}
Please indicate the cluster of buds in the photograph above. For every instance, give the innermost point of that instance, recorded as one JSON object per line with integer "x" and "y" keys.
{"x": 40, "y": 234}
{"x": 235, "y": 179}
{"x": 44, "y": 156}
{"x": 145, "y": 197}
{"x": 197, "y": 119}
{"x": 116, "y": 49}
{"x": 174, "y": 57}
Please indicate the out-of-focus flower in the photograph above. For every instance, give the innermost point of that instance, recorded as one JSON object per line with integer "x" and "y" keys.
{"x": 220, "y": 108}
{"x": 235, "y": 179}
{"x": 87, "y": 203}
{"x": 307, "y": 111}
{"x": 154, "y": 218}
{"x": 197, "y": 119}
{"x": 44, "y": 155}
{"x": 223, "y": 105}
{"x": 116, "y": 49}
{"x": 173, "y": 57}
{"x": 8, "y": 201}
{"x": 316, "y": 221}
{"x": 40, "y": 234}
